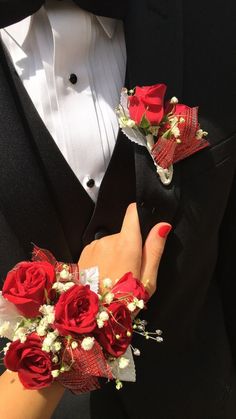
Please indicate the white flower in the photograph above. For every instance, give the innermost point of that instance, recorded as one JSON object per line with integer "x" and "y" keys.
{"x": 123, "y": 362}
{"x": 140, "y": 304}
{"x": 119, "y": 385}
{"x": 5, "y": 349}
{"x": 50, "y": 338}
{"x": 100, "y": 323}
{"x": 175, "y": 131}
{"x": 74, "y": 345}
{"x": 68, "y": 285}
{"x": 200, "y": 134}
{"x": 131, "y": 307}
{"x": 104, "y": 316}
{"x": 65, "y": 368}
{"x": 64, "y": 274}
{"x": 109, "y": 297}
{"x": 56, "y": 347}
{"x": 9, "y": 314}
{"x": 87, "y": 343}
{"x": 46, "y": 348}
{"x": 58, "y": 286}
{"x": 55, "y": 373}
{"x": 130, "y": 123}
{"x": 55, "y": 359}
{"x": 107, "y": 283}
{"x": 174, "y": 100}
{"x": 46, "y": 309}
{"x": 20, "y": 334}
{"x": 49, "y": 314}
{"x": 42, "y": 326}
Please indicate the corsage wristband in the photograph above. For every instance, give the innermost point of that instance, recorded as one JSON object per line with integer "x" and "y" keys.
{"x": 62, "y": 329}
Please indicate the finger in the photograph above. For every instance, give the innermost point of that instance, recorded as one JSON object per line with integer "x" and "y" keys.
{"x": 152, "y": 252}
{"x": 130, "y": 227}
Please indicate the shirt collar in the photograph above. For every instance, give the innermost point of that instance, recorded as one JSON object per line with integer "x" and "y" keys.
{"x": 20, "y": 30}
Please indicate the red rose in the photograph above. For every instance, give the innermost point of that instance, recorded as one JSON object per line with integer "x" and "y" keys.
{"x": 76, "y": 310}
{"x": 28, "y": 285}
{"x": 33, "y": 365}
{"x": 129, "y": 286}
{"x": 116, "y": 334}
{"x": 147, "y": 101}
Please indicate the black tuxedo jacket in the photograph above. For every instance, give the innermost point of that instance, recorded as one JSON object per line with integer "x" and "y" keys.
{"x": 192, "y": 48}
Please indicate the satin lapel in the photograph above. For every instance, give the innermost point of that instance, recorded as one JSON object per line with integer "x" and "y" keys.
{"x": 156, "y": 202}
{"x": 117, "y": 191}
{"x": 73, "y": 206}
{"x": 154, "y": 40}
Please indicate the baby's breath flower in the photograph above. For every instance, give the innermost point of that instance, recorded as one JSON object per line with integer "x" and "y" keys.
{"x": 107, "y": 282}
{"x": 130, "y": 123}
{"x": 100, "y": 323}
{"x": 20, "y": 334}
{"x": 55, "y": 359}
{"x": 64, "y": 274}
{"x": 174, "y": 100}
{"x": 131, "y": 306}
{"x": 123, "y": 362}
{"x": 55, "y": 373}
{"x": 175, "y": 131}
{"x": 56, "y": 346}
{"x": 140, "y": 304}
{"x": 68, "y": 285}
{"x": 200, "y": 134}
{"x": 103, "y": 316}
{"x": 74, "y": 344}
{"x": 119, "y": 385}
{"x": 58, "y": 286}
{"x": 5, "y": 349}
{"x": 109, "y": 297}
{"x": 87, "y": 343}
{"x": 65, "y": 368}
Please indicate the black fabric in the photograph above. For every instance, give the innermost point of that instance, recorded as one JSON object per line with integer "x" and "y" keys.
{"x": 188, "y": 46}
{"x": 104, "y": 8}
{"x": 12, "y": 11}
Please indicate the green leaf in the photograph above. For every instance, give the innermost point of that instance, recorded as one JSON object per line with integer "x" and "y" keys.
{"x": 145, "y": 124}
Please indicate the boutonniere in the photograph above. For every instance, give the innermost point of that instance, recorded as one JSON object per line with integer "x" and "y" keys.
{"x": 169, "y": 130}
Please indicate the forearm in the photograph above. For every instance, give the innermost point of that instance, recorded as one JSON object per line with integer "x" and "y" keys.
{"x": 18, "y": 403}
{"x": 12, "y": 11}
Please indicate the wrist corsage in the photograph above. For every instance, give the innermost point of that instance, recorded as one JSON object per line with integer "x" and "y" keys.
{"x": 62, "y": 329}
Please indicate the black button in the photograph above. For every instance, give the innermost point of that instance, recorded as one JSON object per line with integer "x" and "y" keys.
{"x": 100, "y": 233}
{"x": 90, "y": 183}
{"x": 73, "y": 78}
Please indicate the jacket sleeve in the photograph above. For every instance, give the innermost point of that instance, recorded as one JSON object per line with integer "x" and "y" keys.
{"x": 12, "y": 11}
{"x": 226, "y": 267}
{"x": 11, "y": 251}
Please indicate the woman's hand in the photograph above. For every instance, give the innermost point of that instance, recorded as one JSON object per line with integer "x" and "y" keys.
{"x": 123, "y": 252}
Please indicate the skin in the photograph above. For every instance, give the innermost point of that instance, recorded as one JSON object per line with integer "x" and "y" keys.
{"x": 114, "y": 255}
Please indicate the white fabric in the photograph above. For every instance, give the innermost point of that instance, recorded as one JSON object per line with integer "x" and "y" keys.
{"x": 46, "y": 48}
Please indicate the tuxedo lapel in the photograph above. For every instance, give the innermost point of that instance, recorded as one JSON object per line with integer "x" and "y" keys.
{"x": 117, "y": 191}
{"x": 156, "y": 202}
{"x": 157, "y": 55}
{"x": 72, "y": 204}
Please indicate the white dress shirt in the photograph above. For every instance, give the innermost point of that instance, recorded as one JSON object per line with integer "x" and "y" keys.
{"x": 72, "y": 65}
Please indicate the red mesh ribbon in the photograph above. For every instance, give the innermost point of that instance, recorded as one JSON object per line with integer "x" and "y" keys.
{"x": 167, "y": 151}
{"x": 87, "y": 367}
{"x": 43, "y": 255}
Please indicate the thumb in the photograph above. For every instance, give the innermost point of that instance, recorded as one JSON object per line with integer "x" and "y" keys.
{"x": 152, "y": 252}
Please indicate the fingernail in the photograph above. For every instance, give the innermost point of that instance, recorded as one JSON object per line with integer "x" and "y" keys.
{"x": 164, "y": 230}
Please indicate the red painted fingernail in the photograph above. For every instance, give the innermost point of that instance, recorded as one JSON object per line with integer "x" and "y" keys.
{"x": 164, "y": 230}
